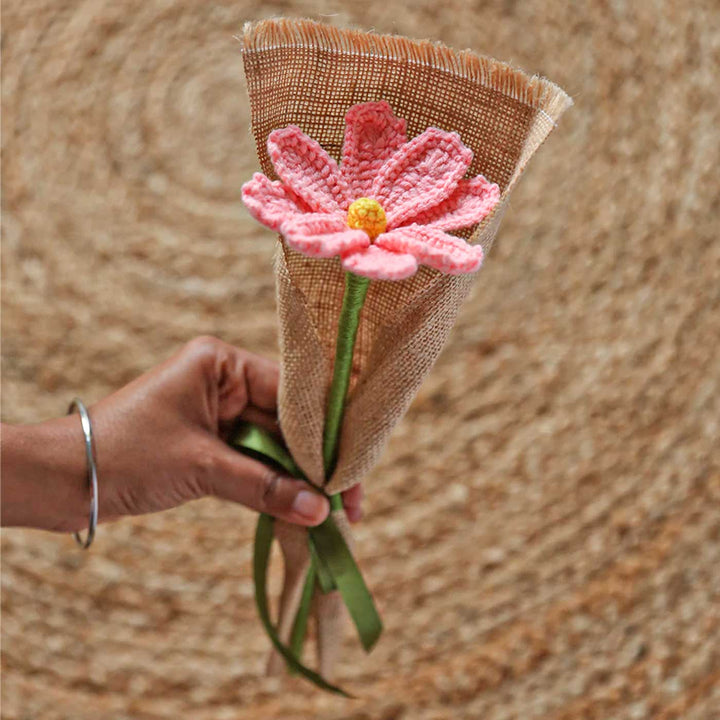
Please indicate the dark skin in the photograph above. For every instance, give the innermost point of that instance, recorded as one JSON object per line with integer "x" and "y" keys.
{"x": 159, "y": 442}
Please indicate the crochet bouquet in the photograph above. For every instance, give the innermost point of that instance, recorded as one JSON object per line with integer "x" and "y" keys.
{"x": 387, "y": 166}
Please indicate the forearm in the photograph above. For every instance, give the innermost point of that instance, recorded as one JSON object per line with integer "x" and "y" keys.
{"x": 44, "y": 476}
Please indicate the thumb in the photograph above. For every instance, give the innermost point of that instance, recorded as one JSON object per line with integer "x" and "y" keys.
{"x": 242, "y": 479}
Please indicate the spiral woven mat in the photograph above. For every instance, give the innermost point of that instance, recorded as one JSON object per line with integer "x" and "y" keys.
{"x": 543, "y": 534}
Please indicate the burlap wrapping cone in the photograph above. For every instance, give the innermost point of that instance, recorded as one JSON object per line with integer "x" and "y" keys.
{"x": 308, "y": 74}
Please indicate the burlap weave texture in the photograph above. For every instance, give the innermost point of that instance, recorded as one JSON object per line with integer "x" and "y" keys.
{"x": 307, "y": 74}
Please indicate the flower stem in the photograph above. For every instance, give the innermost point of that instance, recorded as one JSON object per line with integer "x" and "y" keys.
{"x": 355, "y": 291}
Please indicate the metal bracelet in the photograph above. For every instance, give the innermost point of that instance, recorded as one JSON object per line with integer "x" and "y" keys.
{"x": 92, "y": 472}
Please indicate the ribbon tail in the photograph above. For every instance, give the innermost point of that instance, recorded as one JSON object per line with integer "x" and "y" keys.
{"x": 296, "y": 562}
{"x": 299, "y": 631}
{"x": 334, "y": 555}
{"x": 263, "y": 543}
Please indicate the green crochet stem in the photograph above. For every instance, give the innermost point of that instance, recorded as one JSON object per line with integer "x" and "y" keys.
{"x": 353, "y": 300}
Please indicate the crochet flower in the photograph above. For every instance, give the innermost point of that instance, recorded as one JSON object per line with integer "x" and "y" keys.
{"x": 386, "y": 208}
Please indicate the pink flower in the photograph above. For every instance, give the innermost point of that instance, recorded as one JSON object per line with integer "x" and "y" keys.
{"x": 386, "y": 208}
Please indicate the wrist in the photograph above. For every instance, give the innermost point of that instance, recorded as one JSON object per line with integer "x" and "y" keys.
{"x": 44, "y": 475}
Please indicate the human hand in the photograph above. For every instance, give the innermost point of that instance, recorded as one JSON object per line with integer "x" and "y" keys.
{"x": 159, "y": 442}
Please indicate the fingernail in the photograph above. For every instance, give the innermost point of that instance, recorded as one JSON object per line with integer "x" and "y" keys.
{"x": 310, "y": 505}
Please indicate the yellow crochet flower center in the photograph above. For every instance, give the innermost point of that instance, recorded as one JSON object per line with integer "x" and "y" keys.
{"x": 368, "y": 215}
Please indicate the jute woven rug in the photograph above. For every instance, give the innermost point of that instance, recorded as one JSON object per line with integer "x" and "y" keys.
{"x": 543, "y": 533}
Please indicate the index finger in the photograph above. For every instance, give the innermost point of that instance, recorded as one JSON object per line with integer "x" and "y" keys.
{"x": 262, "y": 376}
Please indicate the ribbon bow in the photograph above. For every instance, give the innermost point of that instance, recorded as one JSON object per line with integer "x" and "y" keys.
{"x": 332, "y": 565}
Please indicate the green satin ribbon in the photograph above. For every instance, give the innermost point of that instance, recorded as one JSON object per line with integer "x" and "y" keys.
{"x": 261, "y": 558}
{"x": 332, "y": 564}
{"x": 299, "y": 629}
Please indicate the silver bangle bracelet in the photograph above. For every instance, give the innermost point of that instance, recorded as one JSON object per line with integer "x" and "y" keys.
{"x": 92, "y": 472}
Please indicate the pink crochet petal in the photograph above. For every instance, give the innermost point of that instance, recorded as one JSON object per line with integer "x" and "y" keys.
{"x": 434, "y": 248}
{"x": 472, "y": 201}
{"x": 379, "y": 264}
{"x": 420, "y": 175}
{"x": 307, "y": 170}
{"x": 372, "y": 135}
{"x": 322, "y": 235}
{"x": 269, "y": 202}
